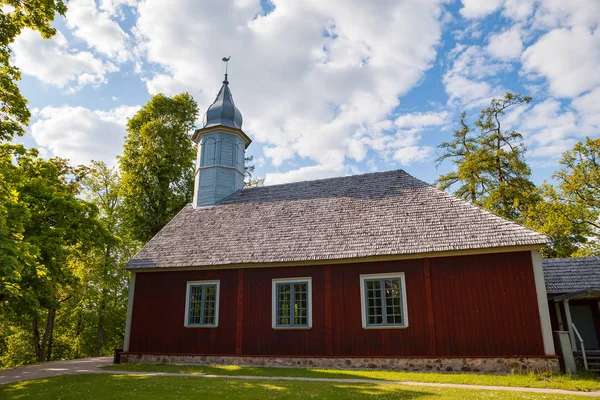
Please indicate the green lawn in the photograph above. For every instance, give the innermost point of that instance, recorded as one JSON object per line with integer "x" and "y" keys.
{"x": 585, "y": 382}
{"x": 108, "y": 387}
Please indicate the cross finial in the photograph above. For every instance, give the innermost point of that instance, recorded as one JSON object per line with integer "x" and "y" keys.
{"x": 226, "y": 61}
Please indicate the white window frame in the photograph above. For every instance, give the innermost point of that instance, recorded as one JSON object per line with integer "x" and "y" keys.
{"x": 363, "y": 297}
{"x": 308, "y": 281}
{"x": 187, "y": 303}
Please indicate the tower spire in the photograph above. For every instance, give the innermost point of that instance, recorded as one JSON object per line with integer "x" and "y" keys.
{"x": 226, "y": 61}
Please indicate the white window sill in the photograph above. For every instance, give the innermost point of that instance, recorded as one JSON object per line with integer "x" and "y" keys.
{"x": 288, "y": 328}
{"x": 385, "y": 327}
{"x": 201, "y": 326}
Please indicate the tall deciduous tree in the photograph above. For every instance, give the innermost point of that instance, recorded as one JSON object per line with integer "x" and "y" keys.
{"x": 57, "y": 223}
{"x": 16, "y": 15}
{"x": 463, "y": 151}
{"x": 157, "y": 165}
{"x": 490, "y": 168}
{"x": 502, "y": 153}
{"x": 570, "y": 211}
{"x": 105, "y": 281}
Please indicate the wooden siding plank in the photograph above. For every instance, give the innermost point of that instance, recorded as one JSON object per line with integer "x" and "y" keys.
{"x": 328, "y": 313}
{"x": 430, "y": 316}
{"x": 240, "y": 313}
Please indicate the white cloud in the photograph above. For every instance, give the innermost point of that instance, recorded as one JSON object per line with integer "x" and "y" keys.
{"x": 568, "y": 58}
{"x": 97, "y": 29}
{"x": 560, "y": 13}
{"x": 304, "y": 174}
{"x": 506, "y": 45}
{"x": 302, "y": 93}
{"x": 518, "y": 9}
{"x": 479, "y": 8}
{"x": 53, "y": 62}
{"x": 421, "y": 120}
{"x": 114, "y": 7}
{"x": 466, "y": 81}
{"x": 412, "y": 154}
{"x": 80, "y": 134}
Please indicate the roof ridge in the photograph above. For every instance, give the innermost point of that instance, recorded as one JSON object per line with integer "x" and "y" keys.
{"x": 329, "y": 179}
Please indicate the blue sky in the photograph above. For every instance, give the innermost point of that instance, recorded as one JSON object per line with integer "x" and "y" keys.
{"x": 326, "y": 88}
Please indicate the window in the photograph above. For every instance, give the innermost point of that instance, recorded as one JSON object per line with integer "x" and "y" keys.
{"x": 292, "y": 303}
{"x": 202, "y": 304}
{"x": 383, "y": 298}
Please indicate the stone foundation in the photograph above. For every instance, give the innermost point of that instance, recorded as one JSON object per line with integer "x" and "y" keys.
{"x": 480, "y": 365}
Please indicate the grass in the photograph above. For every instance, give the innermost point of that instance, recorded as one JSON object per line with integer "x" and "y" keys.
{"x": 584, "y": 382}
{"x": 113, "y": 387}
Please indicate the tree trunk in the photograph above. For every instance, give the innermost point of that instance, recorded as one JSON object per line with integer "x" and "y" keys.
{"x": 36, "y": 338}
{"x": 40, "y": 348}
{"x": 50, "y": 340}
{"x": 100, "y": 328}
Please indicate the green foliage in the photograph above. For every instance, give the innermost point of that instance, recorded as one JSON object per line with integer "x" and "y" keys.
{"x": 569, "y": 213}
{"x": 463, "y": 151}
{"x": 490, "y": 168}
{"x": 102, "y": 302}
{"x": 53, "y": 225}
{"x": 16, "y": 15}
{"x": 157, "y": 165}
{"x": 250, "y": 180}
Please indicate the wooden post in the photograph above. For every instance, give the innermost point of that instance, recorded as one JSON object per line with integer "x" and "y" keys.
{"x": 570, "y": 324}
{"x": 328, "y": 313}
{"x": 240, "y": 313}
{"x": 561, "y": 325}
{"x": 430, "y": 315}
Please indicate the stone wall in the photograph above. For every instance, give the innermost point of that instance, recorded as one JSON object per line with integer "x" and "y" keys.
{"x": 481, "y": 365}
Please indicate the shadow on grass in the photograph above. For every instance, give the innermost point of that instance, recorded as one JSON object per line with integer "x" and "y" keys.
{"x": 583, "y": 382}
{"x": 112, "y": 387}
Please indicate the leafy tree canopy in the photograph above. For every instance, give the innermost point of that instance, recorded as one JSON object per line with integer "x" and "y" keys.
{"x": 16, "y": 15}
{"x": 157, "y": 165}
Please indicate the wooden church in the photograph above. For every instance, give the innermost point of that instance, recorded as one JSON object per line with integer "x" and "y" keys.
{"x": 370, "y": 271}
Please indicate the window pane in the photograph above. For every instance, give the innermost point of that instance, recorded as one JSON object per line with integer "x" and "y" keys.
{"x": 383, "y": 301}
{"x": 292, "y": 304}
{"x": 202, "y": 304}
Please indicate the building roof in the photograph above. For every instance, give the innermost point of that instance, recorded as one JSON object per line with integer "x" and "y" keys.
{"x": 566, "y": 275}
{"x": 223, "y": 110}
{"x": 387, "y": 213}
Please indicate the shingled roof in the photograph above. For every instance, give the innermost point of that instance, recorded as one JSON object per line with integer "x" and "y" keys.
{"x": 387, "y": 213}
{"x": 567, "y": 275}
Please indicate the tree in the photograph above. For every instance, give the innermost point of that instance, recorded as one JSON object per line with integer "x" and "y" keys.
{"x": 16, "y": 15}
{"x": 503, "y": 161}
{"x": 561, "y": 221}
{"x": 490, "y": 167}
{"x": 250, "y": 180}
{"x": 157, "y": 165}
{"x": 105, "y": 281}
{"x": 463, "y": 151}
{"x": 56, "y": 225}
{"x": 570, "y": 210}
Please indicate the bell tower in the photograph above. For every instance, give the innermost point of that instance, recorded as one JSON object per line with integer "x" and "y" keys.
{"x": 221, "y": 151}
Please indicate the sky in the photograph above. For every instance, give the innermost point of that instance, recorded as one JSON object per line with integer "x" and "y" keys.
{"x": 326, "y": 88}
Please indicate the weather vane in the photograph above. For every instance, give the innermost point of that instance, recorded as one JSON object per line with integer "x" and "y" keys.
{"x": 226, "y": 61}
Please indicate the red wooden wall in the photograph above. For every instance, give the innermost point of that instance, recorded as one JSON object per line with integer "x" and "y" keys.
{"x": 482, "y": 305}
